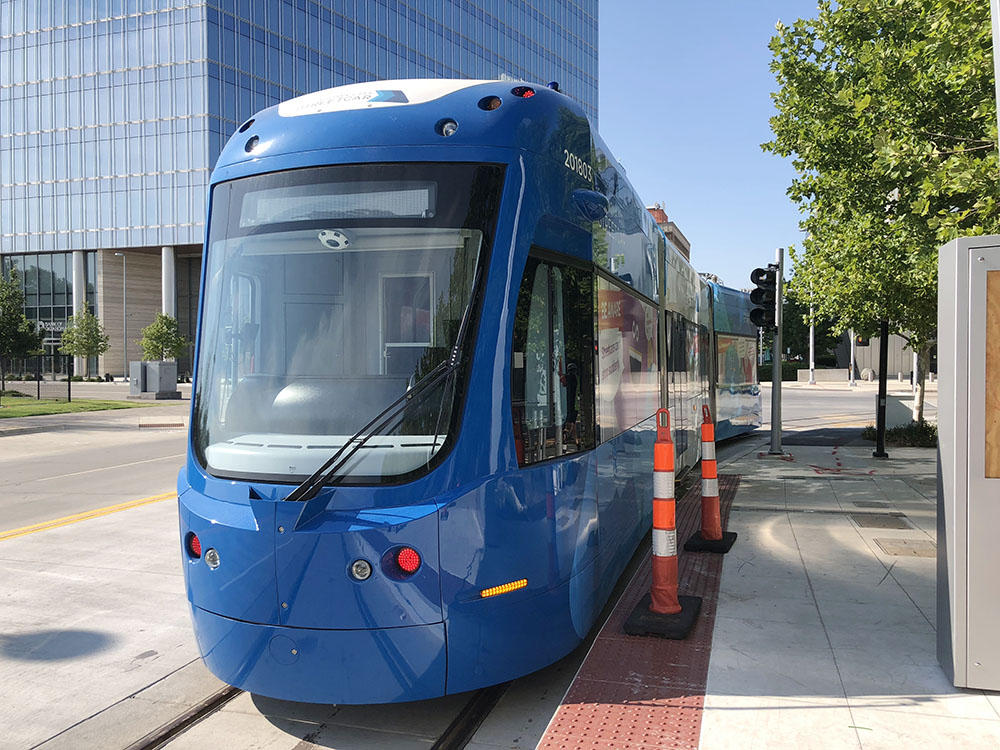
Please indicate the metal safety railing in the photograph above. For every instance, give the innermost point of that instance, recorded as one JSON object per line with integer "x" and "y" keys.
{"x": 45, "y": 376}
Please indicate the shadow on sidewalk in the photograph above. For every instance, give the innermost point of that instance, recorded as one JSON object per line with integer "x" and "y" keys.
{"x": 834, "y": 436}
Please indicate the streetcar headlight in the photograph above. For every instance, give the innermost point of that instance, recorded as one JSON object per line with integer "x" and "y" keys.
{"x": 212, "y": 558}
{"x": 361, "y": 570}
{"x": 446, "y": 127}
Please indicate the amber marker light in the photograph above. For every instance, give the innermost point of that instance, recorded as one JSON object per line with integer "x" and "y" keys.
{"x": 504, "y": 588}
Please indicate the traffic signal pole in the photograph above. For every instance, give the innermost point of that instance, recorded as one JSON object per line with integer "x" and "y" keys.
{"x": 776, "y": 358}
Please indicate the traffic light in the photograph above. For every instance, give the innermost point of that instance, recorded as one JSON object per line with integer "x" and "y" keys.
{"x": 861, "y": 340}
{"x": 762, "y": 298}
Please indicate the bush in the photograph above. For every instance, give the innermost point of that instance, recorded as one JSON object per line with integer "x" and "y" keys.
{"x": 162, "y": 340}
{"x": 789, "y": 371}
{"x": 912, "y": 435}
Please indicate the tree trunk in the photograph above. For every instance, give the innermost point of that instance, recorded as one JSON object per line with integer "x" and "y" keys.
{"x": 923, "y": 365}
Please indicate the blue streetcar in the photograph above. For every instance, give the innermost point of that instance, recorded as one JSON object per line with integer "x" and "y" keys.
{"x": 736, "y": 392}
{"x": 435, "y": 327}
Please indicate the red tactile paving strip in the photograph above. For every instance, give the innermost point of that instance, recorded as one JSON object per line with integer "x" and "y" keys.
{"x": 642, "y": 692}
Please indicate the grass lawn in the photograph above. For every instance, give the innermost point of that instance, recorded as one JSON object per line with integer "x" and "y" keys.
{"x": 19, "y": 406}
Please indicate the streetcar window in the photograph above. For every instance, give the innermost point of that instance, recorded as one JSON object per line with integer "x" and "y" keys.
{"x": 311, "y": 327}
{"x": 553, "y": 362}
{"x": 628, "y": 382}
{"x": 407, "y": 321}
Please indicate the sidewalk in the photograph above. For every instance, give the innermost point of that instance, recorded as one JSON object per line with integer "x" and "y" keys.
{"x": 96, "y": 647}
{"x": 824, "y": 630}
{"x": 163, "y": 414}
{"x": 893, "y": 386}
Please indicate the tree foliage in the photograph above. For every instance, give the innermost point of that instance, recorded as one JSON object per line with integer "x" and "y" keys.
{"x": 161, "y": 339}
{"x": 795, "y": 332}
{"x": 888, "y": 112}
{"x": 19, "y": 337}
{"x": 84, "y": 335}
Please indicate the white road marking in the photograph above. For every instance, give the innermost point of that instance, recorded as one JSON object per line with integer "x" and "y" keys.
{"x": 107, "y": 468}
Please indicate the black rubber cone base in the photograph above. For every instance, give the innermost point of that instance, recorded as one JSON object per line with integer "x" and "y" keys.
{"x": 675, "y": 627}
{"x": 699, "y": 544}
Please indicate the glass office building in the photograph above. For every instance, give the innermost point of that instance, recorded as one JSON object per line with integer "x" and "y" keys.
{"x": 112, "y": 113}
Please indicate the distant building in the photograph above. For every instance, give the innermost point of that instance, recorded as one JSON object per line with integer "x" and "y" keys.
{"x": 674, "y": 234}
{"x": 866, "y": 354}
{"x": 112, "y": 115}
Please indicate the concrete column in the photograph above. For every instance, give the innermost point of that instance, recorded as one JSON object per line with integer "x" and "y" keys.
{"x": 79, "y": 300}
{"x": 168, "y": 283}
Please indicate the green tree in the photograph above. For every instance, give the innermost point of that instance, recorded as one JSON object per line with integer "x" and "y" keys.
{"x": 888, "y": 112}
{"x": 162, "y": 340}
{"x": 19, "y": 337}
{"x": 84, "y": 336}
{"x": 795, "y": 331}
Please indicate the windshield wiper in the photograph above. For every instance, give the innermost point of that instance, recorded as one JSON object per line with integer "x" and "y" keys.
{"x": 308, "y": 489}
{"x": 332, "y": 466}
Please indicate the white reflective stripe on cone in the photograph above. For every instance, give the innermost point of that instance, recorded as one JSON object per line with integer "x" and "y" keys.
{"x": 663, "y": 485}
{"x": 710, "y": 487}
{"x": 708, "y": 450}
{"x": 665, "y": 542}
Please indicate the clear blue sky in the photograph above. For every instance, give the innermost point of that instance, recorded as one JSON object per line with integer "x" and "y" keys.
{"x": 684, "y": 105}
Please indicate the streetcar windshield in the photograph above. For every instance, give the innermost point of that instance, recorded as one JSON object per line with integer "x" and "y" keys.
{"x": 329, "y": 293}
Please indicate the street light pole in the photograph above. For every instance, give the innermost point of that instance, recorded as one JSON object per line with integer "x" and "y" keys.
{"x": 812, "y": 348}
{"x": 854, "y": 341}
{"x": 124, "y": 319}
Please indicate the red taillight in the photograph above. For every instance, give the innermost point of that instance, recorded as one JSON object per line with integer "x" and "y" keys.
{"x": 193, "y": 545}
{"x": 408, "y": 560}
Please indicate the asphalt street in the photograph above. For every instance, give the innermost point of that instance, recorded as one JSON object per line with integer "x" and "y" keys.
{"x": 95, "y": 460}
{"x": 805, "y": 407}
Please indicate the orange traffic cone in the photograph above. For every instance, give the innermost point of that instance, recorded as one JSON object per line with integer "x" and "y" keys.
{"x": 662, "y": 612}
{"x": 711, "y": 537}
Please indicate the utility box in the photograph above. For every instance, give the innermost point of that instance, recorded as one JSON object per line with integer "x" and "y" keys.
{"x": 153, "y": 380}
{"x": 898, "y": 411}
{"x": 968, "y": 519}
{"x": 136, "y": 379}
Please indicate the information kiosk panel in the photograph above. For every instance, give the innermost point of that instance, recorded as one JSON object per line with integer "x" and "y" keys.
{"x": 969, "y": 449}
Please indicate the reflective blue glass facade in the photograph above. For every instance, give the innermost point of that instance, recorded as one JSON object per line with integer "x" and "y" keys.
{"x": 103, "y": 125}
{"x": 112, "y": 112}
